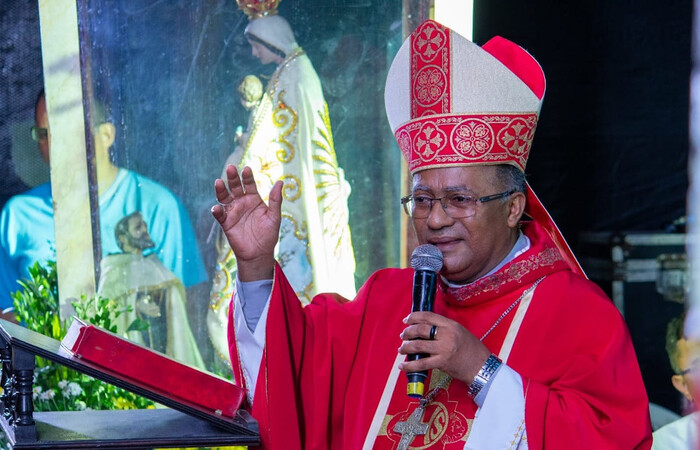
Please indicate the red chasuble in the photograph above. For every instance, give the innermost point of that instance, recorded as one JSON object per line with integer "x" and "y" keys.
{"x": 328, "y": 376}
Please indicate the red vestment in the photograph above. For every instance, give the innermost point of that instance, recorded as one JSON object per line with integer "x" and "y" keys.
{"x": 325, "y": 366}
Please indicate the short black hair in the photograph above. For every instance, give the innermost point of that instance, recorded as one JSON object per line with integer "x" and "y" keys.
{"x": 100, "y": 112}
{"x": 122, "y": 228}
{"x": 513, "y": 179}
{"x": 674, "y": 333}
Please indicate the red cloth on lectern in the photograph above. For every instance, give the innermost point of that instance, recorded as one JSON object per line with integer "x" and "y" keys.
{"x": 325, "y": 366}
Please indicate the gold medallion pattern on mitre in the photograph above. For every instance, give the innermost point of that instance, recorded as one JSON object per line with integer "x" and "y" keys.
{"x": 467, "y": 138}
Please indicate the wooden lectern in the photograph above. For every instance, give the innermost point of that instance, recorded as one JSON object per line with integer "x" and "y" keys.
{"x": 178, "y": 425}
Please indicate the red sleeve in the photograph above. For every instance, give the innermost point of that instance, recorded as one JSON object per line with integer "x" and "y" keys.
{"x": 588, "y": 392}
{"x": 300, "y": 379}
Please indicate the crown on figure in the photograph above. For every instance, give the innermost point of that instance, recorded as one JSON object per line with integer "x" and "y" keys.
{"x": 255, "y": 9}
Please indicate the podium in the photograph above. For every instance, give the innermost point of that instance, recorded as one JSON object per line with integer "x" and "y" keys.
{"x": 179, "y": 425}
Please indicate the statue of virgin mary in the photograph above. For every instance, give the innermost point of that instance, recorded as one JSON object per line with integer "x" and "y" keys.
{"x": 289, "y": 138}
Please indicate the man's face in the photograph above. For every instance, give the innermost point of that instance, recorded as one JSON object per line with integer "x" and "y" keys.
{"x": 102, "y": 134}
{"x": 138, "y": 236}
{"x": 688, "y": 358}
{"x": 263, "y": 53}
{"x": 41, "y": 120}
{"x": 471, "y": 246}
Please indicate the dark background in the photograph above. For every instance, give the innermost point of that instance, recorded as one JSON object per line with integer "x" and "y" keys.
{"x": 611, "y": 149}
{"x": 20, "y": 81}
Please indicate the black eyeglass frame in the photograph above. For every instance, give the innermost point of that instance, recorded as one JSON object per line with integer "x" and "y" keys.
{"x": 688, "y": 370}
{"x": 39, "y": 134}
{"x": 487, "y": 198}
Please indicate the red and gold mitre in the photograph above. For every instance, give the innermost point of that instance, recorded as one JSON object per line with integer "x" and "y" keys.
{"x": 452, "y": 103}
{"x": 256, "y": 9}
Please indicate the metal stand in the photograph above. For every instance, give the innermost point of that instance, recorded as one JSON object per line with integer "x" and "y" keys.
{"x": 16, "y": 403}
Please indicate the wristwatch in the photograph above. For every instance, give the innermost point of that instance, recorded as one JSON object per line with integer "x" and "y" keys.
{"x": 485, "y": 373}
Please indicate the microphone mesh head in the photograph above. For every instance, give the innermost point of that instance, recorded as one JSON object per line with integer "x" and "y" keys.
{"x": 426, "y": 257}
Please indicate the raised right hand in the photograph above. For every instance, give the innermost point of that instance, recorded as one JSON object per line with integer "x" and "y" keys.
{"x": 251, "y": 227}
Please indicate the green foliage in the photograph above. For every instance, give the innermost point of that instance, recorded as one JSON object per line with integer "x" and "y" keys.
{"x": 56, "y": 387}
{"x": 36, "y": 305}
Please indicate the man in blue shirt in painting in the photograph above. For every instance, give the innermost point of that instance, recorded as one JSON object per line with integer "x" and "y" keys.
{"x": 27, "y": 227}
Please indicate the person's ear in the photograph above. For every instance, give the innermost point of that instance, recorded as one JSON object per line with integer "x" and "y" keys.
{"x": 681, "y": 386}
{"x": 516, "y": 208}
{"x": 121, "y": 243}
{"x": 106, "y": 133}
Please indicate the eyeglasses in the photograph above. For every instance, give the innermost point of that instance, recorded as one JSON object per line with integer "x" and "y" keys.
{"x": 457, "y": 206}
{"x": 693, "y": 370}
{"x": 39, "y": 134}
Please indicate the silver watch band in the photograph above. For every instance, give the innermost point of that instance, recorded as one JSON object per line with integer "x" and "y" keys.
{"x": 481, "y": 378}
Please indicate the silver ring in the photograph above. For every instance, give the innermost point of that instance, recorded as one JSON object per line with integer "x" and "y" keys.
{"x": 433, "y": 332}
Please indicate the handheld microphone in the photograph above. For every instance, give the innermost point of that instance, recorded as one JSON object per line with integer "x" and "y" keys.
{"x": 426, "y": 260}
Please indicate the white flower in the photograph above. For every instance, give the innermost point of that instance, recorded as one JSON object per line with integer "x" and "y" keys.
{"x": 80, "y": 405}
{"x": 63, "y": 385}
{"x": 48, "y": 395}
{"x": 74, "y": 389}
{"x": 36, "y": 391}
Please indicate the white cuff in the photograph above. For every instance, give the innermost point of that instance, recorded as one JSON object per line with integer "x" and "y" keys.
{"x": 250, "y": 344}
{"x": 500, "y": 421}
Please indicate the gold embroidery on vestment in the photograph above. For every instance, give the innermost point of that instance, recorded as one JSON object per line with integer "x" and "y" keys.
{"x": 281, "y": 117}
{"x": 514, "y": 443}
{"x": 324, "y": 160}
{"x": 385, "y": 423}
{"x": 291, "y": 190}
{"x": 329, "y": 173}
{"x": 326, "y": 133}
{"x": 514, "y": 272}
{"x": 300, "y": 231}
{"x": 445, "y": 424}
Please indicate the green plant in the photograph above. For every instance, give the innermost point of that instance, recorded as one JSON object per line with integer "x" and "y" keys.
{"x": 56, "y": 387}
